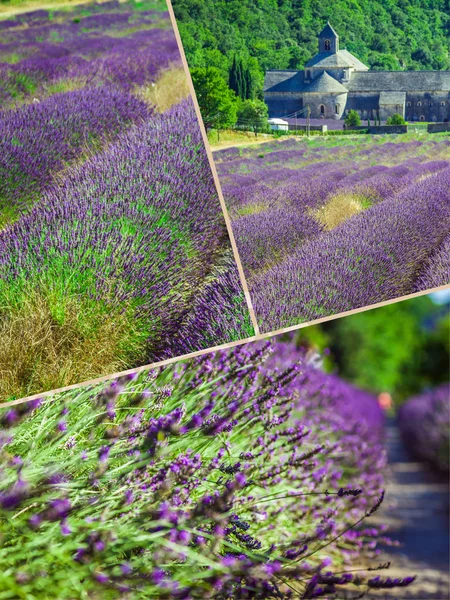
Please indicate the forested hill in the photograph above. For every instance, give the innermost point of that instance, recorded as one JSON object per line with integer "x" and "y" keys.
{"x": 282, "y": 34}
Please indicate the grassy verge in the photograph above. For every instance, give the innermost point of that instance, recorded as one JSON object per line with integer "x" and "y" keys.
{"x": 10, "y": 8}
{"x": 50, "y": 339}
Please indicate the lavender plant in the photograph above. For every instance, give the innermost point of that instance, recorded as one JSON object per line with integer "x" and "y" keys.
{"x": 328, "y": 225}
{"x": 436, "y": 269}
{"x": 374, "y": 256}
{"x": 39, "y": 140}
{"x": 424, "y": 422}
{"x": 137, "y": 232}
{"x": 234, "y": 475}
{"x": 112, "y": 45}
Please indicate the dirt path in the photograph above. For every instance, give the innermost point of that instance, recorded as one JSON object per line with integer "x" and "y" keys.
{"x": 416, "y": 509}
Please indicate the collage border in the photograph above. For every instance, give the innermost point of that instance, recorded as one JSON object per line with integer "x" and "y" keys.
{"x": 258, "y": 336}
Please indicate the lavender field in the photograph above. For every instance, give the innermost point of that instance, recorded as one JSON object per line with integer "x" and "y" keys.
{"x": 114, "y": 252}
{"x": 328, "y": 225}
{"x": 248, "y": 473}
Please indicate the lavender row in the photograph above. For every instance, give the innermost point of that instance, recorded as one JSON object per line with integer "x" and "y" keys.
{"x": 122, "y": 48}
{"x": 238, "y": 467}
{"x": 131, "y": 62}
{"x": 424, "y": 422}
{"x": 138, "y": 226}
{"x": 266, "y": 237}
{"x": 39, "y": 140}
{"x": 374, "y": 256}
{"x": 436, "y": 269}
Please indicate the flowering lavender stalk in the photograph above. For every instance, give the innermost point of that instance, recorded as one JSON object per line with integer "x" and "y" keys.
{"x": 136, "y": 230}
{"x": 40, "y": 139}
{"x": 228, "y": 476}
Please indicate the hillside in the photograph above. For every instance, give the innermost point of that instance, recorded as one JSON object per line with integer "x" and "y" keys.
{"x": 282, "y": 34}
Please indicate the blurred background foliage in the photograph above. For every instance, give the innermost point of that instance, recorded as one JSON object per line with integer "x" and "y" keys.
{"x": 401, "y": 348}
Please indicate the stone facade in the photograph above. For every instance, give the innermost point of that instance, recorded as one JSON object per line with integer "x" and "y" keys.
{"x": 335, "y": 82}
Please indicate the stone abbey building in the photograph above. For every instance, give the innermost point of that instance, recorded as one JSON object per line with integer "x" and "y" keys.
{"x": 335, "y": 81}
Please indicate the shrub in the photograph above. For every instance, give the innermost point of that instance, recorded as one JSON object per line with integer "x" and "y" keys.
{"x": 40, "y": 140}
{"x": 135, "y": 230}
{"x": 352, "y": 119}
{"x": 396, "y": 119}
{"x": 253, "y": 114}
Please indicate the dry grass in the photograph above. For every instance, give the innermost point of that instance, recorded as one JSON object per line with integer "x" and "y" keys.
{"x": 9, "y": 8}
{"x": 45, "y": 346}
{"x": 15, "y": 7}
{"x": 170, "y": 88}
{"x": 339, "y": 208}
{"x": 228, "y": 138}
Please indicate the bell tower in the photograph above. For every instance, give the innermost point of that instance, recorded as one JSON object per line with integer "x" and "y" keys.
{"x": 328, "y": 40}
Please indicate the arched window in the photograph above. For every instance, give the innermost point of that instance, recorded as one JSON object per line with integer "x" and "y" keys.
{"x": 442, "y": 103}
{"x": 408, "y": 104}
{"x": 419, "y": 104}
{"x": 327, "y": 45}
{"x": 322, "y": 109}
{"x": 422, "y": 118}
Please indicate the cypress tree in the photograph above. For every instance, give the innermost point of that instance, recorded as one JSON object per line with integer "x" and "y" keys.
{"x": 232, "y": 77}
{"x": 242, "y": 87}
{"x": 249, "y": 81}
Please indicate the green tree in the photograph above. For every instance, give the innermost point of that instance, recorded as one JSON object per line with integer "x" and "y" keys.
{"x": 282, "y": 34}
{"x": 218, "y": 104}
{"x": 396, "y": 119}
{"x": 240, "y": 79}
{"x": 400, "y": 348}
{"x": 352, "y": 119}
{"x": 253, "y": 114}
{"x": 235, "y": 76}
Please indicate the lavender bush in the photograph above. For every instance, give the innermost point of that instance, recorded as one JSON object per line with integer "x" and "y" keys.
{"x": 212, "y": 478}
{"x": 326, "y": 225}
{"x": 137, "y": 228}
{"x": 37, "y": 141}
{"x": 114, "y": 45}
{"x": 424, "y": 422}
{"x": 436, "y": 269}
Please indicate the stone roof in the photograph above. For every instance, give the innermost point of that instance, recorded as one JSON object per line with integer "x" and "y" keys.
{"x": 393, "y": 98}
{"x": 368, "y": 82}
{"x": 328, "y": 31}
{"x": 359, "y": 66}
{"x": 340, "y": 59}
{"x": 284, "y": 81}
{"x": 400, "y": 81}
{"x": 325, "y": 84}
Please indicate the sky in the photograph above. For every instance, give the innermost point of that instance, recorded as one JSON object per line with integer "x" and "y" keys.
{"x": 441, "y": 297}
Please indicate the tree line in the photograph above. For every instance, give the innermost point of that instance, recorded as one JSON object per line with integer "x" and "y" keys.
{"x": 229, "y": 44}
